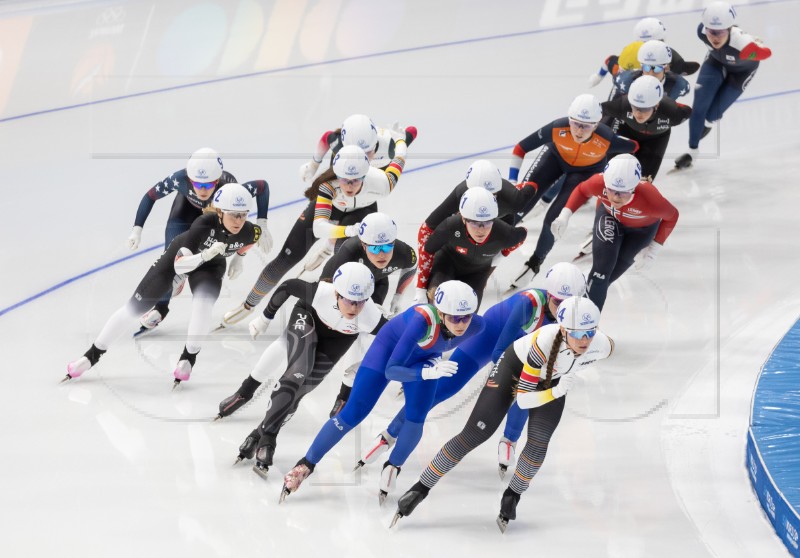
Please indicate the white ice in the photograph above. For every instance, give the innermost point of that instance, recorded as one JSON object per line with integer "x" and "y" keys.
{"x": 649, "y": 458}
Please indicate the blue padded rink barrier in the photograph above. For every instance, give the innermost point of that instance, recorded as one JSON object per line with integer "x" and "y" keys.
{"x": 773, "y": 441}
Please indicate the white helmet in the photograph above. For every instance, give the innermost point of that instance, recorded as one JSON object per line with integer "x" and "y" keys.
{"x": 455, "y": 298}
{"x": 649, "y": 29}
{"x": 655, "y": 53}
{"x": 645, "y": 92}
{"x": 354, "y": 281}
{"x": 719, "y": 15}
{"x": 484, "y": 173}
{"x": 377, "y": 228}
{"x": 578, "y": 313}
{"x": 622, "y": 173}
{"x": 233, "y": 197}
{"x": 204, "y": 165}
{"x": 351, "y": 162}
{"x": 478, "y": 204}
{"x": 359, "y": 130}
{"x": 564, "y": 280}
{"x": 585, "y": 108}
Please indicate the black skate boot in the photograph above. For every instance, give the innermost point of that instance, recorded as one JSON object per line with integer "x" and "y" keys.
{"x": 341, "y": 399}
{"x": 243, "y": 395}
{"x": 683, "y": 162}
{"x": 248, "y": 448}
{"x": 264, "y": 453}
{"x": 409, "y": 501}
{"x": 508, "y": 509}
{"x": 706, "y": 131}
{"x": 295, "y": 477}
{"x": 528, "y": 272}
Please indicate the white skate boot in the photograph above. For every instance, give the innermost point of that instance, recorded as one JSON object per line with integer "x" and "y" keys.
{"x": 380, "y": 445}
{"x": 506, "y": 450}
{"x": 388, "y": 481}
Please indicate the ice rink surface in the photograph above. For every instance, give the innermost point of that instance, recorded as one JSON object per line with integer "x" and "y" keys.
{"x": 100, "y": 100}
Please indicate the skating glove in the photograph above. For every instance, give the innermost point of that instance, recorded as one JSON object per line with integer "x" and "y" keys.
{"x": 559, "y": 224}
{"x": 265, "y": 240}
{"x": 442, "y": 369}
{"x": 259, "y": 325}
{"x": 566, "y": 383}
{"x": 420, "y": 296}
{"x": 308, "y": 170}
{"x": 396, "y": 306}
{"x": 216, "y": 249}
{"x": 235, "y": 266}
{"x": 755, "y": 51}
{"x": 595, "y": 78}
{"x": 647, "y": 256}
{"x": 135, "y": 238}
{"x": 351, "y": 230}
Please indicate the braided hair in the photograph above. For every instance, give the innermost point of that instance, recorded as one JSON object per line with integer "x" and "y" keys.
{"x": 551, "y": 358}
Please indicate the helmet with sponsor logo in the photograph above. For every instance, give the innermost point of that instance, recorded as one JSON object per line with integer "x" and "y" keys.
{"x": 350, "y": 163}
{"x": 719, "y": 15}
{"x": 478, "y": 204}
{"x": 486, "y": 174}
{"x": 455, "y": 298}
{"x": 359, "y": 130}
{"x": 204, "y": 166}
{"x": 353, "y": 281}
{"x": 578, "y": 313}
{"x": 648, "y": 29}
{"x": 645, "y": 92}
{"x": 377, "y": 228}
{"x": 622, "y": 173}
{"x": 564, "y": 280}
{"x": 585, "y": 108}
{"x": 655, "y": 53}
{"x": 233, "y": 197}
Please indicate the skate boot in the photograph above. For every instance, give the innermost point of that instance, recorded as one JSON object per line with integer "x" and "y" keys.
{"x": 508, "y": 509}
{"x": 685, "y": 160}
{"x": 706, "y": 129}
{"x": 505, "y": 455}
{"x": 264, "y": 453}
{"x": 295, "y": 477}
{"x": 184, "y": 367}
{"x": 319, "y": 257}
{"x": 235, "y": 316}
{"x": 243, "y": 395}
{"x": 78, "y": 367}
{"x": 409, "y": 501}
{"x": 341, "y": 399}
{"x": 388, "y": 481}
{"x": 178, "y": 282}
{"x": 150, "y": 319}
{"x": 248, "y": 448}
{"x": 528, "y": 272}
{"x": 380, "y": 445}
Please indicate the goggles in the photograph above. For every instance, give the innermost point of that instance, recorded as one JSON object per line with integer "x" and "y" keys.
{"x": 351, "y": 302}
{"x": 204, "y": 185}
{"x": 459, "y": 319}
{"x": 582, "y": 125}
{"x": 657, "y": 68}
{"x": 238, "y": 215}
{"x": 378, "y": 248}
{"x": 351, "y": 181}
{"x": 479, "y": 224}
{"x": 582, "y": 333}
{"x": 716, "y": 32}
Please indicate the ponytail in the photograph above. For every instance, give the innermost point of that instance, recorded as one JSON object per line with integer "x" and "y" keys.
{"x": 313, "y": 190}
{"x": 551, "y": 358}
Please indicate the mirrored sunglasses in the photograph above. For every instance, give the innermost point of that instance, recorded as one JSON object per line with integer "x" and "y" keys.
{"x": 459, "y": 319}
{"x": 582, "y": 333}
{"x": 352, "y": 302}
{"x": 204, "y": 185}
{"x": 479, "y": 224}
{"x": 378, "y": 248}
{"x": 651, "y": 68}
{"x": 240, "y": 215}
{"x": 581, "y": 125}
